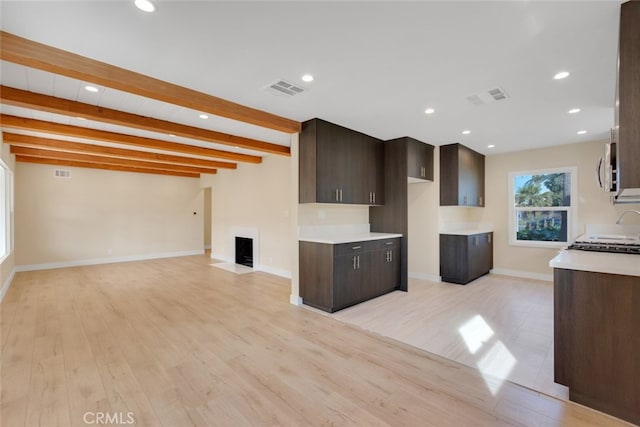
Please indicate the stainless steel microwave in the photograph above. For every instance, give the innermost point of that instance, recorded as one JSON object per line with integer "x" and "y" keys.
{"x": 606, "y": 170}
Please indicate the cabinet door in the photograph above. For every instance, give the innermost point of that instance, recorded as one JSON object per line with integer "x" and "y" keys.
{"x": 419, "y": 160}
{"x": 415, "y": 166}
{"x": 331, "y": 162}
{"x": 480, "y": 255}
{"x": 467, "y": 184}
{"x": 454, "y": 258}
{"x": 386, "y": 269}
{"x": 347, "y": 280}
{"x": 479, "y": 179}
{"x": 375, "y": 171}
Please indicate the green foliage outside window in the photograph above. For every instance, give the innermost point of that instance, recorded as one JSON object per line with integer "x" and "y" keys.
{"x": 543, "y": 191}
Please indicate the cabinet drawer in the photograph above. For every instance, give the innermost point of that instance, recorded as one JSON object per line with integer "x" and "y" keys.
{"x": 355, "y": 247}
{"x": 388, "y": 243}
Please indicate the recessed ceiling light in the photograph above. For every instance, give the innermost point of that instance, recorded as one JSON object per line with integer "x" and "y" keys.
{"x": 145, "y": 5}
{"x": 307, "y": 78}
{"x": 172, "y": 135}
{"x": 561, "y": 75}
{"x": 81, "y": 118}
{"x": 429, "y": 111}
{"x": 581, "y": 132}
{"x": 574, "y": 111}
{"x": 490, "y": 146}
{"x": 204, "y": 116}
{"x": 90, "y": 88}
{"x": 466, "y": 132}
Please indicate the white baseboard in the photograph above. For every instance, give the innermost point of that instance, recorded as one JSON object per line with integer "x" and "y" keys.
{"x": 275, "y": 271}
{"x": 6, "y": 284}
{"x": 96, "y": 261}
{"x": 422, "y": 276}
{"x": 523, "y": 274}
{"x": 295, "y": 300}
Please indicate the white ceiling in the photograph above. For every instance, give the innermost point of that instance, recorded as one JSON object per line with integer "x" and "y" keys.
{"x": 377, "y": 65}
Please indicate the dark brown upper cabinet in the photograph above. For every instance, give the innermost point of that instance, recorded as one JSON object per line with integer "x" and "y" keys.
{"x": 340, "y": 165}
{"x": 419, "y": 160}
{"x": 628, "y": 98}
{"x": 461, "y": 176}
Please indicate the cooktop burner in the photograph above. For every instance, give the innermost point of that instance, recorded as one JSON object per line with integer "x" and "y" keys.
{"x": 624, "y": 248}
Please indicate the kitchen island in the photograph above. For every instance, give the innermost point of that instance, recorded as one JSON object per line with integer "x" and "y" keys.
{"x": 597, "y": 330}
{"x": 340, "y": 270}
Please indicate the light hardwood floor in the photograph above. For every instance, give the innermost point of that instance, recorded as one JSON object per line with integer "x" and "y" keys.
{"x": 498, "y": 324}
{"x": 179, "y": 343}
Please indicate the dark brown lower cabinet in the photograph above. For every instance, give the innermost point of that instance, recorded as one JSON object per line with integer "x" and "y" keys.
{"x": 333, "y": 277}
{"x": 464, "y": 258}
{"x": 597, "y": 340}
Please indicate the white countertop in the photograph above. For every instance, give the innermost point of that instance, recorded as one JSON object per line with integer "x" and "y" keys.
{"x": 348, "y": 238}
{"x": 597, "y": 262}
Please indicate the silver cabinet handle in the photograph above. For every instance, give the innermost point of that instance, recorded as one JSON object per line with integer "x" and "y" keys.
{"x": 386, "y": 256}
{"x": 341, "y": 194}
{"x": 356, "y": 247}
{"x": 354, "y": 262}
{"x": 358, "y": 257}
{"x": 389, "y": 243}
{"x": 374, "y": 197}
{"x": 337, "y": 195}
{"x": 390, "y": 256}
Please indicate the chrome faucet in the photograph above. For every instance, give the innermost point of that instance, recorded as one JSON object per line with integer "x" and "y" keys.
{"x": 626, "y": 212}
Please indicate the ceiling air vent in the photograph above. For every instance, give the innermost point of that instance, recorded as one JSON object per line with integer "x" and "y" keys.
{"x": 62, "y": 173}
{"x": 283, "y": 88}
{"x": 488, "y": 96}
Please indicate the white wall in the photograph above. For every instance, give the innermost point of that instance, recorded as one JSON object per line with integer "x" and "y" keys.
{"x": 593, "y": 205}
{"x": 99, "y": 215}
{"x": 256, "y": 197}
{"x": 8, "y": 264}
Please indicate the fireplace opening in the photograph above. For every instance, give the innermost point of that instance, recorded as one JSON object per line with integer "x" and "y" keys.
{"x": 244, "y": 251}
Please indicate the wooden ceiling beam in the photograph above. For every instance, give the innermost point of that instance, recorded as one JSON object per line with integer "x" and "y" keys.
{"x": 70, "y": 163}
{"x": 14, "y": 122}
{"x": 90, "y": 158}
{"x": 79, "y": 147}
{"x": 51, "y": 104}
{"x": 32, "y": 54}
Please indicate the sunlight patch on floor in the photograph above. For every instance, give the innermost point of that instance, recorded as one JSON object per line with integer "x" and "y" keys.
{"x": 496, "y": 365}
{"x": 475, "y": 333}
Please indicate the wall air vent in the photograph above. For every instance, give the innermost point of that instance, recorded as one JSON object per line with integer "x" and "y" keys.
{"x": 62, "y": 173}
{"x": 283, "y": 88}
{"x": 488, "y": 96}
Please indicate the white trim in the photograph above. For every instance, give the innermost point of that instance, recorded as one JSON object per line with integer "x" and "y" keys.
{"x": 422, "y": 276}
{"x": 572, "y": 210}
{"x": 275, "y": 271}
{"x": 6, "y": 284}
{"x": 523, "y": 274}
{"x": 207, "y": 247}
{"x": 295, "y": 300}
{"x": 96, "y": 261}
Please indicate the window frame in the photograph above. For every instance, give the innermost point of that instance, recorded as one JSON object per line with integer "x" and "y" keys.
{"x": 7, "y": 211}
{"x": 572, "y": 209}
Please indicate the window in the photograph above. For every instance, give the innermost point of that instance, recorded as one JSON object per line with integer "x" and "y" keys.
{"x": 6, "y": 210}
{"x": 542, "y": 207}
